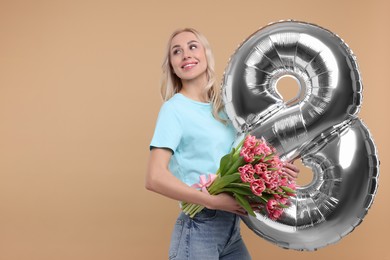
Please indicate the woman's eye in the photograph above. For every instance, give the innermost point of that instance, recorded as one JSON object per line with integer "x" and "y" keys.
{"x": 193, "y": 46}
{"x": 176, "y": 51}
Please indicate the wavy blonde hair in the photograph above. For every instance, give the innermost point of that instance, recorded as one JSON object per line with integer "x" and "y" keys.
{"x": 171, "y": 83}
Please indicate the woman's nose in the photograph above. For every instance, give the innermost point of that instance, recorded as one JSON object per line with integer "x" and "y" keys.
{"x": 186, "y": 54}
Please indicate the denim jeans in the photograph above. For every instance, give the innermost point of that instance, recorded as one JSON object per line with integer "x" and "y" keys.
{"x": 210, "y": 235}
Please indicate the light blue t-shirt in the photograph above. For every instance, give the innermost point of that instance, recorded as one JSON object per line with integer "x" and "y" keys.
{"x": 198, "y": 141}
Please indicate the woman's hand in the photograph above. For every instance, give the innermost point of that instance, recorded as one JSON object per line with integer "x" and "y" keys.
{"x": 226, "y": 202}
{"x": 291, "y": 170}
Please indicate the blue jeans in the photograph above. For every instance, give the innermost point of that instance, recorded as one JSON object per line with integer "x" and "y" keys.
{"x": 210, "y": 235}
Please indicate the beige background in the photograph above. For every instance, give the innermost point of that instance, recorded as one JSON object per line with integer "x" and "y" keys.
{"x": 79, "y": 96}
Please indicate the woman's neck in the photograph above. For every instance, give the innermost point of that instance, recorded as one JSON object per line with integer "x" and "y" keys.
{"x": 195, "y": 89}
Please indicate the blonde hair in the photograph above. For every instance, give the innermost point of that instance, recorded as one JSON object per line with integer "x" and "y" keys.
{"x": 171, "y": 83}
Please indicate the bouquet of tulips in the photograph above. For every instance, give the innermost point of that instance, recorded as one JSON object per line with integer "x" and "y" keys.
{"x": 252, "y": 173}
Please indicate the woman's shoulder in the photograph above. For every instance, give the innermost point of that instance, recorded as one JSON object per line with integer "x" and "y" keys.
{"x": 171, "y": 108}
{"x": 170, "y": 104}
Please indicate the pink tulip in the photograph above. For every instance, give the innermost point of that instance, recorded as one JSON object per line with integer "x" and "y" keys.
{"x": 246, "y": 168}
{"x": 250, "y": 142}
{"x": 271, "y": 204}
{"x": 275, "y": 214}
{"x": 260, "y": 168}
{"x": 280, "y": 199}
{"x": 247, "y": 154}
{"x": 247, "y": 177}
{"x": 257, "y": 186}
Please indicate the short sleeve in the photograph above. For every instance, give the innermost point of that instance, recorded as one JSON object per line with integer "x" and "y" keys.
{"x": 168, "y": 131}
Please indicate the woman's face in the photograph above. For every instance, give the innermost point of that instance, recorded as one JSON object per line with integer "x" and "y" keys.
{"x": 187, "y": 55}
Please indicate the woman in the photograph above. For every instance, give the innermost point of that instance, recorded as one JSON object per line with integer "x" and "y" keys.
{"x": 191, "y": 136}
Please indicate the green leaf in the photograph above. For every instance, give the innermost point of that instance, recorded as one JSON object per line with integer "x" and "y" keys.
{"x": 225, "y": 161}
{"x": 245, "y": 204}
{"x": 269, "y": 157}
{"x": 283, "y": 206}
{"x": 241, "y": 191}
{"x": 258, "y": 158}
{"x": 287, "y": 189}
{"x": 239, "y": 162}
{"x": 241, "y": 188}
{"x": 259, "y": 199}
{"x": 220, "y": 183}
{"x": 267, "y": 197}
{"x": 245, "y": 185}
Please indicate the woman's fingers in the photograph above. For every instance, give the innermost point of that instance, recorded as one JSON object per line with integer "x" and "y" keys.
{"x": 291, "y": 166}
{"x": 226, "y": 202}
{"x": 290, "y": 173}
{"x": 291, "y": 170}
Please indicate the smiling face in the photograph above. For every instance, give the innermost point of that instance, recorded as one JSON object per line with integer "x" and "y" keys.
{"x": 187, "y": 57}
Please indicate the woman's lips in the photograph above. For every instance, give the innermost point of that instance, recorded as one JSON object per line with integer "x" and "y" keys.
{"x": 188, "y": 66}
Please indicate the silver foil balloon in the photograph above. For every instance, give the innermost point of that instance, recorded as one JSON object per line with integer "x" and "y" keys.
{"x": 321, "y": 127}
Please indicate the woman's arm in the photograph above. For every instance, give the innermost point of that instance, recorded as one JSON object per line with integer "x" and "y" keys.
{"x": 160, "y": 180}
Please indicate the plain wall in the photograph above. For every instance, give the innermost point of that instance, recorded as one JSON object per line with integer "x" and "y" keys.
{"x": 79, "y": 97}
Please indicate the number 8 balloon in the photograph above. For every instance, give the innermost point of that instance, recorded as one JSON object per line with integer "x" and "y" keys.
{"x": 321, "y": 128}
